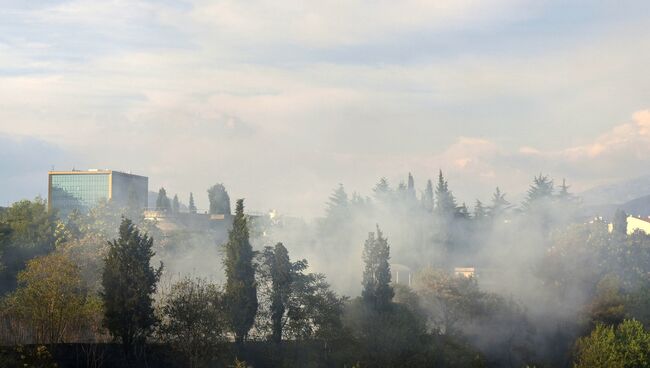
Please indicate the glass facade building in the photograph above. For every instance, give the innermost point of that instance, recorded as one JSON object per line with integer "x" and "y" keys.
{"x": 81, "y": 190}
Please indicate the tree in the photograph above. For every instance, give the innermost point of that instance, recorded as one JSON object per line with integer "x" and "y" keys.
{"x": 540, "y": 191}
{"x": 50, "y": 298}
{"x": 27, "y": 230}
{"x": 382, "y": 191}
{"x": 499, "y": 203}
{"x": 627, "y": 345}
{"x": 241, "y": 290}
{"x": 281, "y": 278}
{"x": 295, "y": 305}
{"x": 427, "y": 197}
{"x": 448, "y": 298}
{"x": 410, "y": 188}
{"x": 564, "y": 194}
{"x": 479, "y": 210}
{"x": 191, "y": 206}
{"x": 192, "y": 320}
{"x": 338, "y": 205}
{"x": 619, "y": 224}
{"x": 377, "y": 291}
{"x": 176, "y": 206}
{"x": 446, "y": 203}
{"x": 129, "y": 282}
{"x": 162, "y": 202}
{"x": 219, "y": 200}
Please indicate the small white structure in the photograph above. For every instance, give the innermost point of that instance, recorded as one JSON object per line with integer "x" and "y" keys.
{"x": 635, "y": 223}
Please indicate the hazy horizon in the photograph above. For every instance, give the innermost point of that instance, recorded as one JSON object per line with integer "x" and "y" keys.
{"x": 283, "y": 101}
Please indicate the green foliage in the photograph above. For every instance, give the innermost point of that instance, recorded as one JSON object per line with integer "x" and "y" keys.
{"x": 281, "y": 279}
{"x": 191, "y": 206}
{"x": 627, "y": 345}
{"x": 377, "y": 291}
{"x": 162, "y": 202}
{"x": 27, "y": 230}
{"x": 219, "y": 200}
{"x": 448, "y": 299}
{"x": 608, "y": 305}
{"x": 51, "y": 300}
{"x": 129, "y": 282}
{"x": 241, "y": 291}
{"x": 445, "y": 201}
{"x": 193, "y": 320}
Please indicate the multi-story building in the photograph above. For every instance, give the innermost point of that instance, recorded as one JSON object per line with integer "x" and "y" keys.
{"x": 81, "y": 190}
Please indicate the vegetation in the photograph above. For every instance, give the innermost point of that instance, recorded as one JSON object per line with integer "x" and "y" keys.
{"x": 241, "y": 290}
{"x": 506, "y": 286}
{"x": 129, "y": 282}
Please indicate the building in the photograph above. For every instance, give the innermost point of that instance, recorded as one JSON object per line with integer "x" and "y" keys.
{"x": 81, "y": 190}
{"x": 635, "y": 223}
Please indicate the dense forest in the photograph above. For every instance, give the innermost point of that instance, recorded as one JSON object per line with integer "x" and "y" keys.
{"x": 373, "y": 283}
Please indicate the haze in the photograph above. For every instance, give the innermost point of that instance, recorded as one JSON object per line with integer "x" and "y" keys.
{"x": 281, "y": 101}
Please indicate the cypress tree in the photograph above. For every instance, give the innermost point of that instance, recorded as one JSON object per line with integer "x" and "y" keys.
{"x": 410, "y": 188}
{"x": 176, "y": 206}
{"x": 281, "y": 279}
{"x": 619, "y": 224}
{"x": 241, "y": 290}
{"x": 191, "y": 206}
{"x": 427, "y": 197}
{"x": 377, "y": 292}
{"x": 129, "y": 283}
{"x": 162, "y": 202}
{"x": 446, "y": 203}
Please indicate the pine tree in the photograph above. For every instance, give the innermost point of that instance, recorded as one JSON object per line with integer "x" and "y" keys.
{"x": 281, "y": 279}
{"x": 377, "y": 292}
{"x": 410, "y": 188}
{"x": 564, "y": 195}
{"x": 540, "y": 190}
{"x": 338, "y": 204}
{"x": 499, "y": 203}
{"x": 191, "y": 206}
{"x": 427, "y": 197}
{"x": 619, "y": 224}
{"x": 241, "y": 290}
{"x": 446, "y": 203}
{"x": 129, "y": 283}
{"x": 176, "y": 206}
{"x": 162, "y": 202}
{"x": 382, "y": 191}
{"x": 219, "y": 200}
{"x": 479, "y": 210}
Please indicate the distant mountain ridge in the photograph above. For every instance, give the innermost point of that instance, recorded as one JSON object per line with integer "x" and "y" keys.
{"x": 632, "y": 196}
{"x": 617, "y": 193}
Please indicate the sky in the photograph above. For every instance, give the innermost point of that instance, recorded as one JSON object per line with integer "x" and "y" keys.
{"x": 283, "y": 100}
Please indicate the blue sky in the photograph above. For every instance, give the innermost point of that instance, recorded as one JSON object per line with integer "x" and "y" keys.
{"x": 283, "y": 100}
